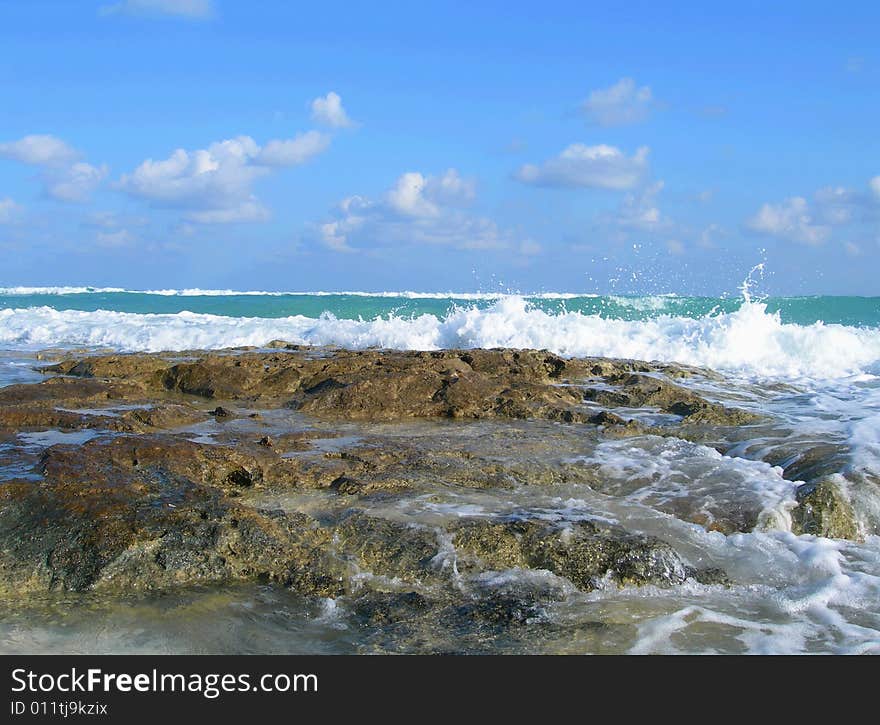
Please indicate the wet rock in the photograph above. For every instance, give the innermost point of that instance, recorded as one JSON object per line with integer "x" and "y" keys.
{"x": 142, "y": 507}
{"x": 389, "y": 385}
{"x": 163, "y": 416}
{"x": 498, "y": 609}
{"x": 809, "y": 461}
{"x": 824, "y": 510}
{"x": 122, "y": 530}
{"x": 347, "y": 485}
{"x": 584, "y": 553}
{"x": 382, "y": 608}
{"x": 606, "y": 417}
{"x": 709, "y": 576}
{"x": 640, "y": 391}
{"x": 388, "y": 548}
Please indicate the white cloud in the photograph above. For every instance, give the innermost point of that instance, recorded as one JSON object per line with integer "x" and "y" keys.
{"x": 39, "y": 150}
{"x": 248, "y": 211}
{"x": 792, "y": 220}
{"x": 407, "y": 197}
{"x": 852, "y": 250}
{"x": 415, "y": 195}
{"x": 214, "y": 185}
{"x": 621, "y": 104}
{"x": 451, "y": 189}
{"x": 115, "y": 239}
{"x": 709, "y": 235}
{"x": 74, "y": 183}
{"x": 836, "y": 205}
{"x": 600, "y": 167}
{"x": 64, "y": 176}
{"x": 328, "y": 111}
{"x": 416, "y": 210}
{"x": 109, "y": 220}
{"x": 294, "y": 151}
{"x": 812, "y": 222}
{"x": 674, "y": 246}
{"x": 8, "y": 210}
{"x": 193, "y": 9}
{"x": 640, "y": 210}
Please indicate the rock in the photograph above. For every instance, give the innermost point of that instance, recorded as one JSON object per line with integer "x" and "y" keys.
{"x": 585, "y": 553}
{"x": 114, "y": 529}
{"x": 383, "y": 609}
{"x": 391, "y": 385}
{"x": 639, "y": 391}
{"x": 709, "y": 576}
{"x": 388, "y": 548}
{"x": 139, "y": 506}
{"x": 824, "y": 510}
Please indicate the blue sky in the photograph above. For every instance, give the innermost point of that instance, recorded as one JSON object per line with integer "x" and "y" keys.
{"x": 649, "y": 147}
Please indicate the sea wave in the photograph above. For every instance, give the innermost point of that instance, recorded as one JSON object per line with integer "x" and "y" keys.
{"x": 749, "y": 340}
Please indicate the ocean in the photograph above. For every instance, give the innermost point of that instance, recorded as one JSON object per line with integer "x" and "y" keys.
{"x": 811, "y": 364}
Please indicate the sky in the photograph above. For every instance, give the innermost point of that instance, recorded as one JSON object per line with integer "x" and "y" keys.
{"x": 639, "y": 147}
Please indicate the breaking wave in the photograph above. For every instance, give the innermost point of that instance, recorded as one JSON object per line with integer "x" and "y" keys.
{"x": 748, "y": 340}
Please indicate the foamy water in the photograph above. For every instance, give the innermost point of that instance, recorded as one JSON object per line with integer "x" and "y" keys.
{"x": 811, "y": 365}
{"x": 749, "y": 340}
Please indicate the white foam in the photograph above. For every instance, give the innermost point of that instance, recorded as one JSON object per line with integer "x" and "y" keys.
{"x": 749, "y": 341}
{"x": 805, "y": 593}
{"x": 679, "y": 476}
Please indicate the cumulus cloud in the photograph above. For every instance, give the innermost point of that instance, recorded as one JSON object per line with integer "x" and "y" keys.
{"x": 622, "y": 104}
{"x": 709, "y": 235}
{"x": 8, "y": 210}
{"x": 791, "y": 220}
{"x": 837, "y": 205}
{"x": 415, "y": 195}
{"x": 75, "y": 182}
{"x": 599, "y": 167}
{"x": 191, "y": 9}
{"x": 640, "y": 210}
{"x": 65, "y": 177}
{"x": 39, "y": 150}
{"x": 328, "y": 111}
{"x": 214, "y": 185}
{"x": 416, "y": 210}
{"x": 812, "y": 222}
{"x": 294, "y": 151}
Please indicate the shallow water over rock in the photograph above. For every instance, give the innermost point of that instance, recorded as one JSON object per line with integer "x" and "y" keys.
{"x": 361, "y": 502}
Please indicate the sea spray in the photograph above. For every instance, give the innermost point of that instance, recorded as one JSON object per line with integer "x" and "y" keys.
{"x": 749, "y": 340}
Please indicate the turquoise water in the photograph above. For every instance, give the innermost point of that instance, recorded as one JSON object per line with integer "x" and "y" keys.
{"x": 852, "y": 311}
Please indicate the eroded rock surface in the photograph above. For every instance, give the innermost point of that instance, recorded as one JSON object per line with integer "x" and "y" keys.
{"x": 185, "y": 454}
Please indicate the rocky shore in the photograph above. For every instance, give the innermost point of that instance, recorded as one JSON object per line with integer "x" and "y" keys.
{"x": 335, "y": 473}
